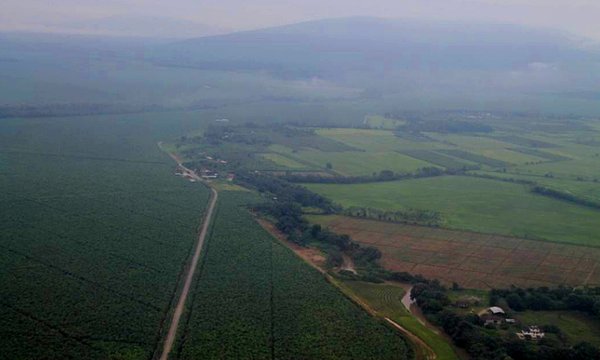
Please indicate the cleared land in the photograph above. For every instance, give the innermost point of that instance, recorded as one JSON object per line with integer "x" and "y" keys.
{"x": 470, "y": 259}
{"x": 476, "y": 204}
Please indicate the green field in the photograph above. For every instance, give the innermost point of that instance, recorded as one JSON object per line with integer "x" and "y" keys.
{"x": 255, "y": 299}
{"x": 355, "y": 163}
{"x": 577, "y": 326}
{"x": 589, "y": 190}
{"x": 386, "y": 300}
{"x": 94, "y": 232}
{"x": 476, "y": 204}
{"x": 284, "y": 161}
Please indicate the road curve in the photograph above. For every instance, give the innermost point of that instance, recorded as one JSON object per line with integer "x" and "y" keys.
{"x": 171, "y": 335}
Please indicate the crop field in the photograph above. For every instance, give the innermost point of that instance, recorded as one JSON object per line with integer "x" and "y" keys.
{"x": 372, "y": 140}
{"x": 284, "y": 161}
{"x": 94, "y": 233}
{"x": 475, "y": 204}
{"x": 480, "y": 159}
{"x": 254, "y": 298}
{"x": 542, "y": 154}
{"x": 436, "y": 158}
{"x": 354, "y": 163}
{"x": 472, "y": 260}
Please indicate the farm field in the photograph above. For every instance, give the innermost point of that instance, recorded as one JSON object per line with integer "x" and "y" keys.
{"x": 386, "y": 301}
{"x": 255, "y": 299}
{"x": 472, "y": 260}
{"x": 94, "y": 233}
{"x": 356, "y": 163}
{"x": 475, "y": 204}
{"x": 286, "y": 162}
{"x": 589, "y": 190}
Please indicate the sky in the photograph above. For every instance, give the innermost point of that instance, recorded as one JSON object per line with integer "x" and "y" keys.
{"x": 188, "y": 18}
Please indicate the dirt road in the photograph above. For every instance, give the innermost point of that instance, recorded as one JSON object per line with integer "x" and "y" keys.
{"x": 422, "y": 350}
{"x": 171, "y": 335}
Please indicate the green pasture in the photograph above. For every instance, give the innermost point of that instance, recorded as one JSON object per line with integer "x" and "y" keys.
{"x": 476, "y": 204}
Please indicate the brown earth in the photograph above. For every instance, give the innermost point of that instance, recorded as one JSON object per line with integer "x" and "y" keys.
{"x": 473, "y": 260}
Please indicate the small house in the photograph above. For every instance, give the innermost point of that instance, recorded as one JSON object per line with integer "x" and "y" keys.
{"x": 533, "y": 333}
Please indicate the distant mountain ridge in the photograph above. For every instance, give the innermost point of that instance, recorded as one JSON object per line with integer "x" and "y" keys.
{"x": 369, "y": 43}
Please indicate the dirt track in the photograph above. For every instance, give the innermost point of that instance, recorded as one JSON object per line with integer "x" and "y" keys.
{"x": 171, "y": 335}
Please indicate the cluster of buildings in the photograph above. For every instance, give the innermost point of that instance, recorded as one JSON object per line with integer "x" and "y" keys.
{"x": 532, "y": 333}
{"x": 495, "y": 315}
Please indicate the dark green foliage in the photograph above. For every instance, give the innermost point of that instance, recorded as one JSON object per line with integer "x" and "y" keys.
{"x": 564, "y": 195}
{"x": 255, "y": 299}
{"x": 384, "y": 175}
{"x": 409, "y": 216}
{"x": 561, "y": 298}
{"x": 94, "y": 232}
{"x": 467, "y": 331}
{"x": 284, "y": 191}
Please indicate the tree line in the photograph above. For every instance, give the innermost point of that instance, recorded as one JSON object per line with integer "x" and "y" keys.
{"x": 382, "y": 176}
{"x": 408, "y": 216}
{"x": 564, "y": 195}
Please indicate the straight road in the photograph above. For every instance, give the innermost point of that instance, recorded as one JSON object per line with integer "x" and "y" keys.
{"x": 172, "y": 334}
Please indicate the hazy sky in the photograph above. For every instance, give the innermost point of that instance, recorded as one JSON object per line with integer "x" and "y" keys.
{"x": 580, "y": 17}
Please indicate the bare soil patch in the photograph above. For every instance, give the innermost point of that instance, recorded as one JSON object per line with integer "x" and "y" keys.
{"x": 474, "y": 260}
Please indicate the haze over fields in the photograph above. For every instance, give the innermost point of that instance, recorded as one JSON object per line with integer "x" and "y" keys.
{"x": 333, "y": 179}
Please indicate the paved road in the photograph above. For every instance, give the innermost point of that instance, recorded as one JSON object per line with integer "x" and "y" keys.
{"x": 171, "y": 335}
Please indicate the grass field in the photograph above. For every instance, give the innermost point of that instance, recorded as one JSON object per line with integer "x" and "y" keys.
{"x": 589, "y": 190}
{"x": 472, "y": 260}
{"x": 94, "y": 232}
{"x": 254, "y": 298}
{"x": 577, "y": 326}
{"x": 355, "y": 163}
{"x": 475, "y": 204}
{"x": 284, "y": 161}
{"x": 386, "y": 301}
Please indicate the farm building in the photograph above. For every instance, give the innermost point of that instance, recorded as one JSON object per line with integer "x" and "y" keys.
{"x": 495, "y": 310}
{"x": 493, "y": 316}
{"x": 489, "y": 319}
{"x": 533, "y": 333}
